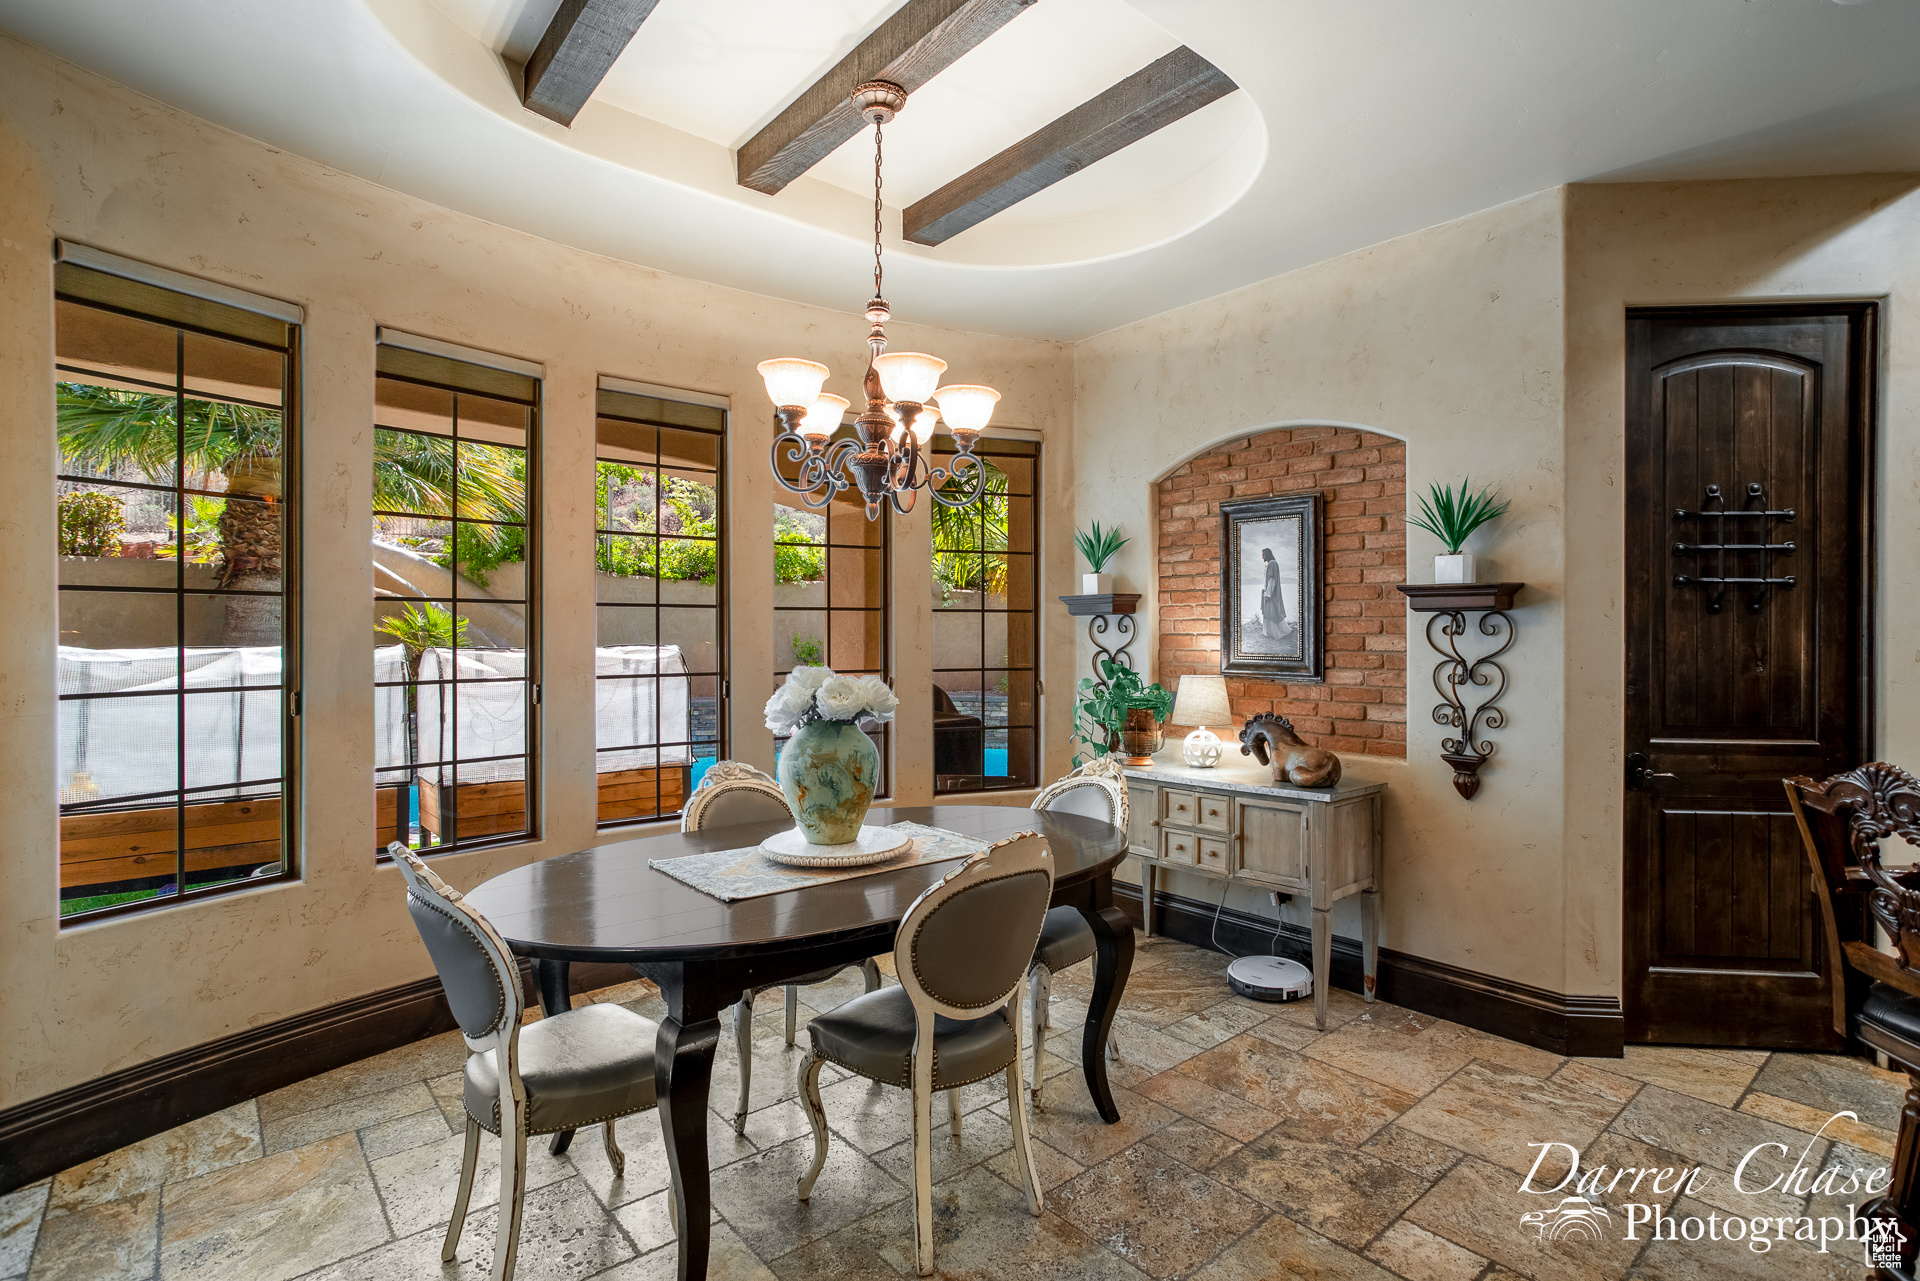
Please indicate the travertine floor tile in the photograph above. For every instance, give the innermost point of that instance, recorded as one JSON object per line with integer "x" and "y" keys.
{"x": 1216, "y": 1108}
{"x": 211, "y": 1143}
{"x": 1718, "y": 1076}
{"x": 1342, "y": 1194}
{"x": 1419, "y": 1255}
{"x": 1414, "y": 1063}
{"x": 107, "y": 1239}
{"x": 1495, "y": 1113}
{"x": 1154, "y": 1211}
{"x": 1831, "y": 1084}
{"x": 1316, "y": 1102}
{"x": 1278, "y": 1248}
{"x": 20, "y": 1213}
{"x": 1233, "y": 1112}
{"x": 274, "y": 1218}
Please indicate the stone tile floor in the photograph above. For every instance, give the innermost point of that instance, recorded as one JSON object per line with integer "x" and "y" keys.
{"x": 1251, "y": 1146}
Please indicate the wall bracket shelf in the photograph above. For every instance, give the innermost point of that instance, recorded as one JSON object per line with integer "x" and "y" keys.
{"x": 1111, "y": 612}
{"x": 1456, "y": 676}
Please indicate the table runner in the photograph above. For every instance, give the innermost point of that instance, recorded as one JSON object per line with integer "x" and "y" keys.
{"x": 733, "y": 875}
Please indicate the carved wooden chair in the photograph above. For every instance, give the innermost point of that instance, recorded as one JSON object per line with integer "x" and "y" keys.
{"x": 1842, "y": 822}
{"x": 732, "y": 793}
{"x": 589, "y": 1066}
{"x": 1097, "y": 790}
{"x": 962, "y": 950}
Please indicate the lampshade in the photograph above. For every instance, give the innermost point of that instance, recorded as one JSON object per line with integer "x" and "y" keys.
{"x": 923, "y": 427}
{"x": 1201, "y": 700}
{"x": 823, "y": 419}
{"x": 791, "y": 381}
{"x": 909, "y": 375}
{"x": 966, "y": 407}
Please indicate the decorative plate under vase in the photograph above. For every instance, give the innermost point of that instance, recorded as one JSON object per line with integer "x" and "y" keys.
{"x": 827, "y": 771}
{"x": 873, "y": 845}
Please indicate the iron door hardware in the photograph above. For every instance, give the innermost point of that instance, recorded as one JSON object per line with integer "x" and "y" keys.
{"x": 1638, "y": 775}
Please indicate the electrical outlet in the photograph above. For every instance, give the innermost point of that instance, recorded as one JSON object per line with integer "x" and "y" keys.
{"x": 1275, "y": 896}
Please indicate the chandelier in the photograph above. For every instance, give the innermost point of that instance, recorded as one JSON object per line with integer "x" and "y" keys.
{"x": 902, "y": 388}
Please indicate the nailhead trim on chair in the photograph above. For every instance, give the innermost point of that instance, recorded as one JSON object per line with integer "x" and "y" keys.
{"x": 906, "y": 1081}
{"x": 499, "y": 993}
{"x": 913, "y": 944}
{"x": 494, "y": 1127}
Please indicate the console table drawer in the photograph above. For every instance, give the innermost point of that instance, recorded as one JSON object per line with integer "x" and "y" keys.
{"x": 1214, "y": 854}
{"x": 1212, "y": 812}
{"x": 1179, "y": 809}
{"x": 1180, "y": 848}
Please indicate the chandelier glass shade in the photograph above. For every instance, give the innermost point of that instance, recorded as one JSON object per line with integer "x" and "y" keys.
{"x": 886, "y": 461}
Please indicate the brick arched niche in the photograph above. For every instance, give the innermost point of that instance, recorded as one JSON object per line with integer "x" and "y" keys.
{"x": 1362, "y": 705}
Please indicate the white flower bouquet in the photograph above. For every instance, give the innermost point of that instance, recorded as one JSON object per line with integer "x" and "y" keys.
{"x": 820, "y": 694}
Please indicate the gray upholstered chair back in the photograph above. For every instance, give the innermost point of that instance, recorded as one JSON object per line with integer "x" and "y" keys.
{"x": 475, "y": 967}
{"x": 967, "y": 941}
{"x": 734, "y": 793}
{"x": 1096, "y": 790}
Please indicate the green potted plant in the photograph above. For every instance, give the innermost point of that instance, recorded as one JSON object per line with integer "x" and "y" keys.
{"x": 1451, "y": 516}
{"x": 1098, "y": 546}
{"x": 1120, "y": 713}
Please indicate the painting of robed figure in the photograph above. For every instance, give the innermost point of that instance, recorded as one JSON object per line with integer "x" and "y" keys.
{"x": 1270, "y": 588}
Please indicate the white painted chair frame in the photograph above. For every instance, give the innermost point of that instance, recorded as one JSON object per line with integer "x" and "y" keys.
{"x": 1102, "y": 776}
{"x": 721, "y": 778}
{"x": 503, "y": 1038}
{"x": 1017, "y": 854}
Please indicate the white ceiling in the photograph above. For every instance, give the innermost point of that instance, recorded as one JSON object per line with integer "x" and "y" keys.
{"x": 1359, "y": 120}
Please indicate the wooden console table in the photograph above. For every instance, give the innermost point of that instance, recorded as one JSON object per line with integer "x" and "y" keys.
{"x": 1234, "y": 821}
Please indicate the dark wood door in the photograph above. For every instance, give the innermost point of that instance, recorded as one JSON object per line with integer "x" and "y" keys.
{"x": 1747, "y": 610}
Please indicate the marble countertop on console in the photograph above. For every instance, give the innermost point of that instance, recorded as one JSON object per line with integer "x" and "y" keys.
{"x": 1251, "y": 776}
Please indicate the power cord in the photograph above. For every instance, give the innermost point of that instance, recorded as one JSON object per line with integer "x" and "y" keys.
{"x": 1213, "y": 935}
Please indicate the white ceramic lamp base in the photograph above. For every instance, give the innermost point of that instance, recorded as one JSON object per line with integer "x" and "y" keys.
{"x": 1201, "y": 749}
{"x": 874, "y": 845}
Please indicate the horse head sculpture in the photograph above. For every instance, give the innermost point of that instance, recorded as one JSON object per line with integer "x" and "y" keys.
{"x": 1271, "y": 741}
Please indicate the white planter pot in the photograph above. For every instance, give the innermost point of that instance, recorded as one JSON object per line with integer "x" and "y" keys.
{"x": 1096, "y": 584}
{"x": 1454, "y": 569}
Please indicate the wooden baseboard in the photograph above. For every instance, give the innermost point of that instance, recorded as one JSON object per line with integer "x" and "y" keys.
{"x": 1575, "y": 1025}
{"x": 57, "y": 1131}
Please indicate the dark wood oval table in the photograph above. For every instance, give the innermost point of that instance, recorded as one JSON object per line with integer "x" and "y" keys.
{"x": 607, "y": 904}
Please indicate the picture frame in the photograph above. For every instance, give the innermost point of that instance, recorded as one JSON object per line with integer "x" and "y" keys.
{"x": 1272, "y": 582}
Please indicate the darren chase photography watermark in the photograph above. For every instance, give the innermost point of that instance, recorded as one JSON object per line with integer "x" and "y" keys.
{"x": 1572, "y": 1208}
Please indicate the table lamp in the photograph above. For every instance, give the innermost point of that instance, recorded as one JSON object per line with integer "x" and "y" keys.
{"x": 1202, "y": 701}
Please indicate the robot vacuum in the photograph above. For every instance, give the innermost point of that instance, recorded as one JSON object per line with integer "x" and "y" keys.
{"x": 1270, "y": 978}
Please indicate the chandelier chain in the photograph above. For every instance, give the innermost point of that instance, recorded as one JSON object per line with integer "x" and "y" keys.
{"x": 877, "y": 293}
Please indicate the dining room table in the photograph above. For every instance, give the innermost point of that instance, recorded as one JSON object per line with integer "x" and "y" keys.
{"x": 609, "y": 904}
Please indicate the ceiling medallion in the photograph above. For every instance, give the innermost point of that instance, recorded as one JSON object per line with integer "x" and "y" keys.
{"x": 886, "y": 462}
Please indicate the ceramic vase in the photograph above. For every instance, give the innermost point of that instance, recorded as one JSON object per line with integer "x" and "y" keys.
{"x": 1457, "y": 568}
{"x": 1096, "y": 584}
{"x": 828, "y": 771}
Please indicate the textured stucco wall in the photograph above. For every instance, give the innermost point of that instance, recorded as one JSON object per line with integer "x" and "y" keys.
{"x": 88, "y": 160}
{"x": 1449, "y": 339}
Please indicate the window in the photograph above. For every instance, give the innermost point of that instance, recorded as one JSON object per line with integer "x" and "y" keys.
{"x": 177, "y": 426}
{"x": 986, "y": 628}
{"x": 455, "y": 628}
{"x": 831, "y": 600}
{"x": 660, "y": 574}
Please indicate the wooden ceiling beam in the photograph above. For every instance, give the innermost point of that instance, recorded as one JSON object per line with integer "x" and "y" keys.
{"x": 1152, "y": 98}
{"x": 577, "y": 51}
{"x": 922, "y": 39}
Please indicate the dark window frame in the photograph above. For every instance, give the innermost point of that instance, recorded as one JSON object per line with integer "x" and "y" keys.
{"x": 187, "y": 315}
{"x": 628, "y": 407}
{"x": 941, "y": 449}
{"x": 459, "y": 378}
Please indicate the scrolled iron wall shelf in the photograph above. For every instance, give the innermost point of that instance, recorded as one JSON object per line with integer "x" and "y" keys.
{"x": 1110, "y": 613}
{"x": 1457, "y": 675}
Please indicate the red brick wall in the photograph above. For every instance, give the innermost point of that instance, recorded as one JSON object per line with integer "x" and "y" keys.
{"x": 1362, "y": 706}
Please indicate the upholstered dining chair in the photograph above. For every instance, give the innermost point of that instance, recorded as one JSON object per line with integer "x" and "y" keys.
{"x": 589, "y": 1066}
{"x": 1097, "y": 789}
{"x": 1842, "y": 821}
{"x": 733, "y": 792}
{"x": 960, "y": 952}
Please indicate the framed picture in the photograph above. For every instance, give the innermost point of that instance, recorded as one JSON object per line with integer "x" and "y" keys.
{"x": 1271, "y": 588}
